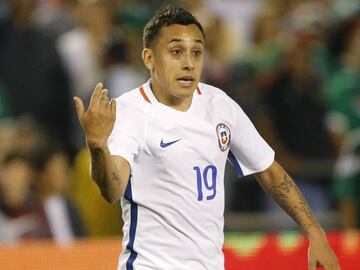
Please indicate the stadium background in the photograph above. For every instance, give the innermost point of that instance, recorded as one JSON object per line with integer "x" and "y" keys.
{"x": 293, "y": 66}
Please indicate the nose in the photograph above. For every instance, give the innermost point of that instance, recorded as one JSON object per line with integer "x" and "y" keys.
{"x": 188, "y": 63}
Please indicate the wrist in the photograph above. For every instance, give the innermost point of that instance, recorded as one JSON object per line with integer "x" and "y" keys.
{"x": 315, "y": 233}
{"x": 96, "y": 145}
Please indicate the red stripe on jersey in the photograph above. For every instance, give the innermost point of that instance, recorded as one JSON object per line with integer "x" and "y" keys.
{"x": 198, "y": 90}
{"x": 144, "y": 94}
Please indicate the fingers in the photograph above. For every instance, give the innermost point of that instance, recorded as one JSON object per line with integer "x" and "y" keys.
{"x": 79, "y": 106}
{"x": 99, "y": 101}
{"x": 113, "y": 106}
{"x": 104, "y": 102}
{"x": 99, "y": 98}
{"x": 104, "y": 99}
{"x": 95, "y": 97}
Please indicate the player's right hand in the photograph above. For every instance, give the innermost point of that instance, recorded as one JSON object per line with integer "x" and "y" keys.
{"x": 98, "y": 120}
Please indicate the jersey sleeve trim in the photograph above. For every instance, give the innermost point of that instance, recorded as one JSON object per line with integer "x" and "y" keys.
{"x": 133, "y": 225}
{"x": 266, "y": 164}
{"x": 128, "y": 157}
{"x": 235, "y": 164}
{"x": 259, "y": 168}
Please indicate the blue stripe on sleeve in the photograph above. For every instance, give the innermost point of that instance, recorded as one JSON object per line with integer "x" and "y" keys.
{"x": 235, "y": 163}
{"x": 133, "y": 224}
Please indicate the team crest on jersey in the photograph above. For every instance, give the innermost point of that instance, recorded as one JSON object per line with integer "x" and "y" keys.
{"x": 224, "y": 136}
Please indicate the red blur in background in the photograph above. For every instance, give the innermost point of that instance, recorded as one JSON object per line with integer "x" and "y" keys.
{"x": 252, "y": 251}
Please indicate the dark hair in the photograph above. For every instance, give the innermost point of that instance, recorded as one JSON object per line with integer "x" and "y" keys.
{"x": 166, "y": 16}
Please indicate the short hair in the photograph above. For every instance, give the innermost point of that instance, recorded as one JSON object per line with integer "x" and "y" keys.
{"x": 166, "y": 16}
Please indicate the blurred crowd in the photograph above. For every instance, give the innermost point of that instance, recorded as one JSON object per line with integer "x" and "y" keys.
{"x": 293, "y": 66}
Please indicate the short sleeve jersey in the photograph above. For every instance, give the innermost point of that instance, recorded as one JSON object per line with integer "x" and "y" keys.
{"x": 174, "y": 201}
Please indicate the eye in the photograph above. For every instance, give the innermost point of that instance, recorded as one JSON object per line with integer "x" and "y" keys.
{"x": 197, "y": 53}
{"x": 176, "y": 51}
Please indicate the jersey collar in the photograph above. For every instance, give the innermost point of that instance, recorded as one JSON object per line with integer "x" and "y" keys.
{"x": 149, "y": 96}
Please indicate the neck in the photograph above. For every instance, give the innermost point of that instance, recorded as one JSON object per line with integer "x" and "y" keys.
{"x": 177, "y": 103}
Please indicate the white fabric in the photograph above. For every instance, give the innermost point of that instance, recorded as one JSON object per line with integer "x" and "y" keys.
{"x": 59, "y": 220}
{"x": 168, "y": 224}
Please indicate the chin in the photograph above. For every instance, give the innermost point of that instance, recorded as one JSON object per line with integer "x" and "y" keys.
{"x": 184, "y": 92}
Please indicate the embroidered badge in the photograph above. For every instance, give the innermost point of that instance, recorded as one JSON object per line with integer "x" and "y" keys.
{"x": 224, "y": 136}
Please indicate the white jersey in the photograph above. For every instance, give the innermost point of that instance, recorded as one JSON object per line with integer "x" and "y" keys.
{"x": 174, "y": 202}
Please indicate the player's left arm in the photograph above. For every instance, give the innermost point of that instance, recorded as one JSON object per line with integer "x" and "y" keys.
{"x": 282, "y": 189}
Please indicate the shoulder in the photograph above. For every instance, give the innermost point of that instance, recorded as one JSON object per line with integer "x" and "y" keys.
{"x": 212, "y": 92}
{"x": 218, "y": 102}
{"x": 215, "y": 95}
{"x": 132, "y": 105}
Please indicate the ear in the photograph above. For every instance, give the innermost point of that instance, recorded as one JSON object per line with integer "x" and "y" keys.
{"x": 148, "y": 58}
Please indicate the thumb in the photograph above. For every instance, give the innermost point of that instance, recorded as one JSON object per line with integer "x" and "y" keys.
{"x": 79, "y": 106}
{"x": 113, "y": 106}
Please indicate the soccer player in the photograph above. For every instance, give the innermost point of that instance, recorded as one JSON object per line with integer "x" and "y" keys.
{"x": 161, "y": 149}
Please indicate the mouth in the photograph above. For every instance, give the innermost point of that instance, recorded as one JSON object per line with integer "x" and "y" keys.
{"x": 186, "y": 81}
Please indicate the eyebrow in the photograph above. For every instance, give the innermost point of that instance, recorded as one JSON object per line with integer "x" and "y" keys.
{"x": 179, "y": 40}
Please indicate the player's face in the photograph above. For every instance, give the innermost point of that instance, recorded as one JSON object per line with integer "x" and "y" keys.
{"x": 176, "y": 61}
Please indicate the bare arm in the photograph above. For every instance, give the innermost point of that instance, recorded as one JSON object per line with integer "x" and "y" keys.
{"x": 282, "y": 189}
{"x": 111, "y": 173}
